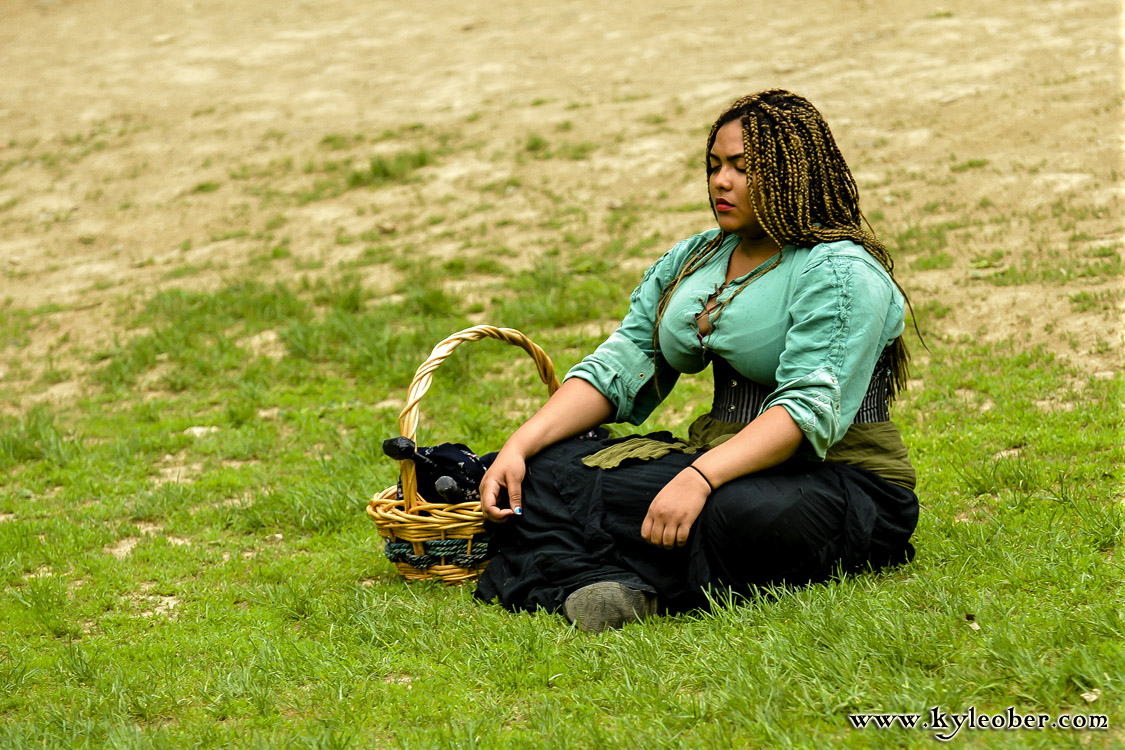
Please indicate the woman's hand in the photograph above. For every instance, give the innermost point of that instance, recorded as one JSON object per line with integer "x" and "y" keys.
{"x": 675, "y": 509}
{"x": 508, "y": 470}
{"x": 575, "y": 407}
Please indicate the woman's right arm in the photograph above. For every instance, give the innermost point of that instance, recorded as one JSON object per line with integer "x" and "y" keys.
{"x": 574, "y": 408}
{"x": 618, "y": 382}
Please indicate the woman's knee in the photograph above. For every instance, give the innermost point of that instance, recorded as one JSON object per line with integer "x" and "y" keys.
{"x": 734, "y": 515}
{"x": 763, "y": 522}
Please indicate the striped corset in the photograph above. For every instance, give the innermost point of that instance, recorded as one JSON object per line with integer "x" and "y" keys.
{"x": 739, "y": 399}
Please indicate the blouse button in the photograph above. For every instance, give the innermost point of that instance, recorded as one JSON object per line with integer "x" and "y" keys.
{"x": 734, "y": 384}
{"x": 730, "y": 408}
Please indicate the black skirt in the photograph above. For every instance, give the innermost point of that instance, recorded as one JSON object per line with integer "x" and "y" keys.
{"x": 799, "y": 522}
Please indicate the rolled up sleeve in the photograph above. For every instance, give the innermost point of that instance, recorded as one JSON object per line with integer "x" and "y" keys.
{"x": 627, "y": 369}
{"x": 840, "y": 318}
{"x": 619, "y": 369}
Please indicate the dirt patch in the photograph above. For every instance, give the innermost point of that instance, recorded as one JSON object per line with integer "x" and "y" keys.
{"x": 176, "y": 469}
{"x": 122, "y": 548}
{"x": 265, "y": 344}
{"x": 158, "y": 606}
{"x": 148, "y": 604}
{"x": 43, "y": 571}
{"x": 200, "y": 431}
{"x": 143, "y": 144}
{"x": 245, "y": 500}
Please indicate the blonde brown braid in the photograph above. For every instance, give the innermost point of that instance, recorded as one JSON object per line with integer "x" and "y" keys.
{"x": 808, "y": 194}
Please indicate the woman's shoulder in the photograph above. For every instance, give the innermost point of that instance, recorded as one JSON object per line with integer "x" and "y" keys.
{"x": 826, "y": 255}
{"x": 678, "y": 254}
{"x": 689, "y": 245}
{"x": 845, "y": 264}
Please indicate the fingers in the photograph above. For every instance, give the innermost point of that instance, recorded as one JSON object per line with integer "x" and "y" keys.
{"x": 673, "y": 511}
{"x": 491, "y": 488}
{"x": 500, "y": 476}
{"x": 668, "y": 536}
{"x": 665, "y": 536}
{"x": 489, "y": 495}
{"x": 663, "y": 531}
{"x": 652, "y": 530}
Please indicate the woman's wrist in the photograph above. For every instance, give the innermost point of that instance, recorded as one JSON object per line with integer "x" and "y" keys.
{"x": 521, "y": 448}
{"x": 692, "y": 468}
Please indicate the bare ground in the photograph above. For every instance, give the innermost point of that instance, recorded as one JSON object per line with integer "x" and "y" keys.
{"x": 168, "y": 143}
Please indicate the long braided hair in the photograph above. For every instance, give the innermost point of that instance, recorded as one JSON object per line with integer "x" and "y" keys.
{"x": 808, "y": 194}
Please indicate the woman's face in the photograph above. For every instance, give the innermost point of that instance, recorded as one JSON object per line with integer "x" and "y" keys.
{"x": 734, "y": 204}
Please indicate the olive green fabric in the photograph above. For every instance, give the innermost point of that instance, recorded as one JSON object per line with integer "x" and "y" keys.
{"x": 640, "y": 448}
{"x": 875, "y": 446}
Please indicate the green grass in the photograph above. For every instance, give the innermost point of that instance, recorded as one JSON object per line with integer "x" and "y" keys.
{"x": 381, "y": 169}
{"x": 171, "y": 586}
{"x": 1061, "y": 268}
{"x": 937, "y": 261}
{"x": 185, "y": 558}
{"x": 16, "y": 325}
{"x": 969, "y": 164}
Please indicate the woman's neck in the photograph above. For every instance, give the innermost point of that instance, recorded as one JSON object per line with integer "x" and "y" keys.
{"x": 751, "y": 253}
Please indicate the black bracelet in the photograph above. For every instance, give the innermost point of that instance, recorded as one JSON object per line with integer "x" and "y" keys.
{"x": 700, "y": 473}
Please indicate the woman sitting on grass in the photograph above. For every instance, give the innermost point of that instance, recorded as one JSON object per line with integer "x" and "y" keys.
{"x": 796, "y": 473}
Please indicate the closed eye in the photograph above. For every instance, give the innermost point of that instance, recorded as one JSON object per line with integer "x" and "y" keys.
{"x": 738, "y": 161}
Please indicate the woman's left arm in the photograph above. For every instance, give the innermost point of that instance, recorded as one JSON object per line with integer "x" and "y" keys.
{"x": 767, "y": 441}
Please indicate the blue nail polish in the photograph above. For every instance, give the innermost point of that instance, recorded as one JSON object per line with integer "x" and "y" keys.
{"x": 519, "y": 511}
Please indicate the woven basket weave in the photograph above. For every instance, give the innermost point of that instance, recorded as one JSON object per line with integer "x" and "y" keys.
{"x": 426, "y": 525}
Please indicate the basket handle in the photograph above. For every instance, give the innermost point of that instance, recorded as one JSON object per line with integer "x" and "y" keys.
{"x": 408, "y": 418}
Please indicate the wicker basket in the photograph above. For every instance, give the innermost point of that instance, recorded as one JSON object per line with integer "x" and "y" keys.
{"x": 431, "y": 528}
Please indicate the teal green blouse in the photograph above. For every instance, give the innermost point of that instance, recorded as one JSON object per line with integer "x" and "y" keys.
{"x": 811, "y": 329}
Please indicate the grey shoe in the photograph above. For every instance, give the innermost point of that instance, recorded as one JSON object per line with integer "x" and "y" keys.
{"x": 607, "y": 605}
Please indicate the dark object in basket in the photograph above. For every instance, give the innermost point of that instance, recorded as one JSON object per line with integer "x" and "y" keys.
{"x": 448, "y": 472}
